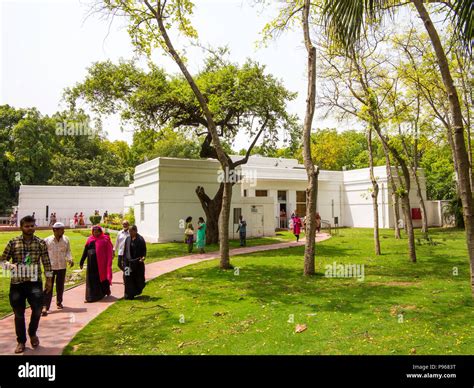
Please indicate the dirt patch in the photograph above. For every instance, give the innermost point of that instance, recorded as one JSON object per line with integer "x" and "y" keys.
{"x": 397, "y": 309}
{"x": 398, "y": 284}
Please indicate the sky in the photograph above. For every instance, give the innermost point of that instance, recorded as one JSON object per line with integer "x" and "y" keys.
{"x": 47, "y": 45}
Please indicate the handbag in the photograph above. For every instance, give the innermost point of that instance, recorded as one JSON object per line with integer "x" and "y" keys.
{"x": 189, "y": 232}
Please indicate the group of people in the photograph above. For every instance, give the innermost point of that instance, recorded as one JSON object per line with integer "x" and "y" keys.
{"x": 13, "y": 218}
{"x": 200, "y": 239}
{"x": 24, "y": 255}
{"x": 189, "y": 232}
{"x": 296, "y": 224}
{"x": 78, "y": 219}
{"x": 52, "y": 219}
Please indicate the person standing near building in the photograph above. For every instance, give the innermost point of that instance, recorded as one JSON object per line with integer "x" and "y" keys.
{"x": 59, "y": 252}
{"x": 297, "y": 224}
{"x": 52, "y": 219}
{"x": 120, "y": 242}
{"x": 242, "y": 230}
{"x": 81, "y": 219}
{"x": 189, "y": 234}
{"x": 27, "y": 252}
{"x": 201, "y": 235}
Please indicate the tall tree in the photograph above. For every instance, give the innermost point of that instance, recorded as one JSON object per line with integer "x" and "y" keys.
{"x": 164, "y": 110}
{"x": 344, "y": 22}
{"x": 149, "y": 29}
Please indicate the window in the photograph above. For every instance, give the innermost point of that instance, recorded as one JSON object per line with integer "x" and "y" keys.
{"x": 261, "y": 193}
{"x": 301, "y": 203}
{"x": 245, "y": 192}
{"x": 142, "y": 211}
{"x": 237, "y": 214}
{"x": 301, "y": 196}
{"x": 282, "y": 195}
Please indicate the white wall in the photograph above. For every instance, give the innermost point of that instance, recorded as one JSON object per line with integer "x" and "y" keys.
{"x": 146, "y": 190}
{"x": 67, "y": 200}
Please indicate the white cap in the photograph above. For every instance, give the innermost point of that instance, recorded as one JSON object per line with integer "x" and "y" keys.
{"x": 58, "y": 225}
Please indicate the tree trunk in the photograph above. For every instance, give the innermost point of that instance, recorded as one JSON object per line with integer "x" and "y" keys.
{"x": 212, "y": 209}
{"x": 424, "y": 215}
{"x": 462, "y": 158}
{"x": 393, "y": 186}
{"x": 311, "y": 171}
{"x": 212, "y": 128}
{"x": 375, "y": 193}
{"x": 404, "y": 195}
{"x": 224, "y": 226}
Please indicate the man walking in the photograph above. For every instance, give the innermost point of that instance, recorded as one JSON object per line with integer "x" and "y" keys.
{"x": 120, "y": 243}
{"x": 26, "y": 252}
{"x": 59, "y": 252}
{"x": 242, "y": 229}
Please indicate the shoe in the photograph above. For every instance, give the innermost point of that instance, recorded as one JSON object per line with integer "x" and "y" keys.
{"x": 44, "y": 312}
{"x": 20, "y": 348}
{"x": 34, "y": 341}
{"x": 59, "y": 306}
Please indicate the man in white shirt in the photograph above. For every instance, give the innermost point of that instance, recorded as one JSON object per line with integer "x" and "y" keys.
{"x": 59, "y": 251}
{"x": 120, "y": 243}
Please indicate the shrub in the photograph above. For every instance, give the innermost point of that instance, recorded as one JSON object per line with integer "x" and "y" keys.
{"x": 95, "y": 219}
{"x": 130, "y": 216}
{"x": 115, "y": 219}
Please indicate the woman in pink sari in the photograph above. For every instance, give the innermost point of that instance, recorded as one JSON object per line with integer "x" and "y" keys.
{"x": 297, "y": 226}
{"x": 99, "y": 253}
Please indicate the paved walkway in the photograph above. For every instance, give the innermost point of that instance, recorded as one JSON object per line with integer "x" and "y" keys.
{"x": 60, "y": 326}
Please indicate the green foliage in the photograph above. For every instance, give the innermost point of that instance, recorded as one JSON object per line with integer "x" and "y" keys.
{"x": 454, "y": 207}
{"x": 405, "y": 306}
{"x": 242, "y": 98}
{"x": 130, "y": 216}
{"x": 95, "y": 219}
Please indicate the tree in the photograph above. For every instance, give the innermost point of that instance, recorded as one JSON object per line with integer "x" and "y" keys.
{"x": 169, "y": 119}
{"x": 149, "y": 26}
{"x": 358, "y": 86}
{"x": 345, "y": 22}
{"x": 299, "y": 13}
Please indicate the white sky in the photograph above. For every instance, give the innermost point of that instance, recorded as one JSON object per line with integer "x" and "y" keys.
{"x": 47, "y": 45}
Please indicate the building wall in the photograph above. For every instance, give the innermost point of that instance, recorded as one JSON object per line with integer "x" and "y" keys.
{"x": 67, "y": 200}
{"x": 146, "y": 195}
{"x": 176, "y": 181}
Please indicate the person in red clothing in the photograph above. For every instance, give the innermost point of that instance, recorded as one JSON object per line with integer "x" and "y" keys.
{"x": 297, "y": 226}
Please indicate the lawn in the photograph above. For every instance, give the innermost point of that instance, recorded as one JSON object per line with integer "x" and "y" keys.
{"x": 155, "y": 252}
{"x": 399, "y": 308}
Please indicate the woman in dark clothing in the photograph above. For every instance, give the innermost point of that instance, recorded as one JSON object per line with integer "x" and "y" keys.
{"x": 98, "y": 251}
{"x": 134, "y": 268}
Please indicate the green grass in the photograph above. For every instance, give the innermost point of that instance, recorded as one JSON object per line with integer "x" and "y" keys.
{"x": 155, "y": 252}
{"x": 251, "y": 313}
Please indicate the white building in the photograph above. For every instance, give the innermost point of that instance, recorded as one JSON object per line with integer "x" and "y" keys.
{"x": 163, "y": 195}
{"x": 67, "y": 200}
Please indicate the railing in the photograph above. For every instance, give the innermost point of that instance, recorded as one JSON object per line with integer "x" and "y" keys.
{"x": 4, "y": 220}
{"x": 284, "y": 223}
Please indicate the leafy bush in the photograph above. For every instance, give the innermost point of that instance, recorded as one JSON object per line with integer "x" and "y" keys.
{"x": 95, "y": 219}
{"x": 115, "y": 219}
{"x": 130, "y": 216}
{"x": 111, "y": 226}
